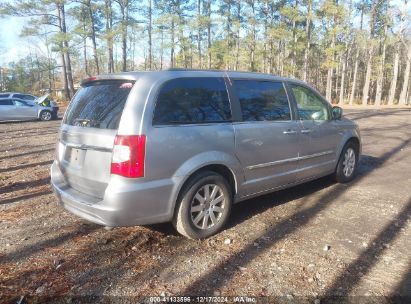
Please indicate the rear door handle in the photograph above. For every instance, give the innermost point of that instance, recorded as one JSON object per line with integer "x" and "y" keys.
{"x": 305, "y": 131}
{"x": 289, "y": 132}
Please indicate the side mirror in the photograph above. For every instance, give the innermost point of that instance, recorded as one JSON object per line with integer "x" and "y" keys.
{"x": 337, "y": 113}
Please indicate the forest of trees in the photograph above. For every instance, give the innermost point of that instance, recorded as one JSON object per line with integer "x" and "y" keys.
{"x": 354, "y": 52}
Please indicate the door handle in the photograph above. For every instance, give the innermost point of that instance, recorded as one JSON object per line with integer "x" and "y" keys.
{"x": 305, "y": 131}
{"x": 289, "y": 132}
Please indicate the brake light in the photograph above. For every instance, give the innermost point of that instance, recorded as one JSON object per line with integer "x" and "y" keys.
{"x": 92, "y": 78}
{"x": 128, "y": 156}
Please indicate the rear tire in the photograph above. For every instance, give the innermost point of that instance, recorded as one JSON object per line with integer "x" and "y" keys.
{"x": 204, "y": 206}
{"x": 347, "y": 163}
{"x": 46, "y": 115}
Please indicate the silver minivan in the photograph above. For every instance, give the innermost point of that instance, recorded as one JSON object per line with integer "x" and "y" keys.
{"x": 183, "y": 146}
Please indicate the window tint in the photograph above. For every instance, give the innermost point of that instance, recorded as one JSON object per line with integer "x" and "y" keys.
{"x": 21, "y": 103}
{"x": 6, "y": 102}
{"x": 28, "y": 97}
{"x": 192, "y": 100}
{"x": 98, "y": 104}
{"x": 4, "y": 95}
{"x": 309, "y": 105}
{"x": 262, "y": 100}
{"x": 20, "y": 96}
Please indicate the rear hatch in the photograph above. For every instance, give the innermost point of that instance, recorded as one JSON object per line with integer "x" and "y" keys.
{"x": 88, "y": 132}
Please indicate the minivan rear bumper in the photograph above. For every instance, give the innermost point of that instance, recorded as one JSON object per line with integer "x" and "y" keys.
{"x": 136, "y": 204}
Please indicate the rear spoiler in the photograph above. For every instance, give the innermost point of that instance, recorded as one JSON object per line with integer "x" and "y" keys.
{"x": 108, "y": 77}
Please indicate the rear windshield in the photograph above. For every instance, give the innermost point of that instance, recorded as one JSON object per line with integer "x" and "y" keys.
{"x": 99, "y": 104}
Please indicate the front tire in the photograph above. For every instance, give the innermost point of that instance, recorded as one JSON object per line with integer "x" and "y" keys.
{"x": 46, "y": 115}
{"x": 204, "y": 206}
{"x": 347, "y": 163}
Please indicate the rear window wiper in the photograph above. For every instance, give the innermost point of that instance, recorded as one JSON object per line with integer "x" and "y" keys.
{"x": 79, "y": 122}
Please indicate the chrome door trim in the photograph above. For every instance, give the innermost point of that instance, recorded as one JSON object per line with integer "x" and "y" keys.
{"x": 86, "y": 147}
{"x": 316, "y": 155}
{"x": 287, "y": 160}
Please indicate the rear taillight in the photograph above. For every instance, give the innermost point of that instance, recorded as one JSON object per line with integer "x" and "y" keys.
{"x": 128, "y": 155}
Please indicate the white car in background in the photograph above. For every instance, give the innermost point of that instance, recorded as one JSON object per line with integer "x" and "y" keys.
{"x": 13, "y": 108}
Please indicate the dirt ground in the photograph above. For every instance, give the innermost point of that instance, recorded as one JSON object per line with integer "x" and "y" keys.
{"x": 309, "y": 242}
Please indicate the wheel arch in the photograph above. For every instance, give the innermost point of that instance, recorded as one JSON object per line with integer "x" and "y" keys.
{"x": 42, "y": 111}
{"x": 219, "y": 168}
{"x": 350, "y": 137}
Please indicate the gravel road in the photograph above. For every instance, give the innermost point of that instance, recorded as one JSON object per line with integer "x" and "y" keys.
{"x": 311, "y": 241}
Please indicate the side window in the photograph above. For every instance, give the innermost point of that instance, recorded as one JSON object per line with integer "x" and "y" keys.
{"x": 29, "y": 97}
{"x": 20, "y": 103}
{"x": 4, "y": 95}
{"x": 309, "y": 105}
{"x": 262, "y": 100}
{"x": 20, "y": 96}
{"x": 192, "y": 100}
{"x": 6, "y": 102}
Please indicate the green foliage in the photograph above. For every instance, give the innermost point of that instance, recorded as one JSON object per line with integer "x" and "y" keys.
{"x": 274, "y": 35}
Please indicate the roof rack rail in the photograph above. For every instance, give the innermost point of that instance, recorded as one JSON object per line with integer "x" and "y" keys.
{"x": 214, "y": 70}
{"x": 193, "y": 70}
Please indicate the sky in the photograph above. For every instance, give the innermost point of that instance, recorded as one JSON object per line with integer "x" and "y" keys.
{"x": 12, "y": 47}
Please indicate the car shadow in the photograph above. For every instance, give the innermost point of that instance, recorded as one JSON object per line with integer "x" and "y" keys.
{"x": 251, "y": 207}
{"x": 28, "y": 196}
{"x": 247, "y": 209}
{"x": 26, "y": 121}
{"x": 25, "y": 166}
{"x": 225, "y": 270}
{"x": 346, "y": 281}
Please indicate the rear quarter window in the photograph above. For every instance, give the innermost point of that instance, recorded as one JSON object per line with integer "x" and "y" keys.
{"x": 99, "y": 104}
{"x": 191, "y": 101}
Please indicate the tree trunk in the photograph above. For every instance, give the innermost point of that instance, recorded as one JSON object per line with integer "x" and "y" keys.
{"x": 366, "y": 88}
{"x": 200, "y": 63}
{"x": 354, "y": 81}
{"x": 380, "y": 78}
{"x": 228, "y": 36}
{"x": 161, "y": 48}
{"x": 150, "y": 29}
{"x": 342, "y": 84}
{"x": 209, "y": 33}
{"x": 404, "y": 90}
{"x": 237, "y": 50}
{"x": 109, "y": 39}
{"x": 330, "y": 74}
{"x": 65, "y": 81}
{"x": 308, "y": 37}
{"x": 93, "y": 35}
{"x": 124, "y": 27}
{"x": 294, "y": 44}
{"x": 172, "y": 42}
{"x": 393, "y": 86}
{"x": 253, "y": 42}
{"x": 69, "y": 86}
{"x": 85, "y": 57}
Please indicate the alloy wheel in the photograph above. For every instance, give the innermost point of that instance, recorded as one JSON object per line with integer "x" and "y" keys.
{"x": 207, "y": 206}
